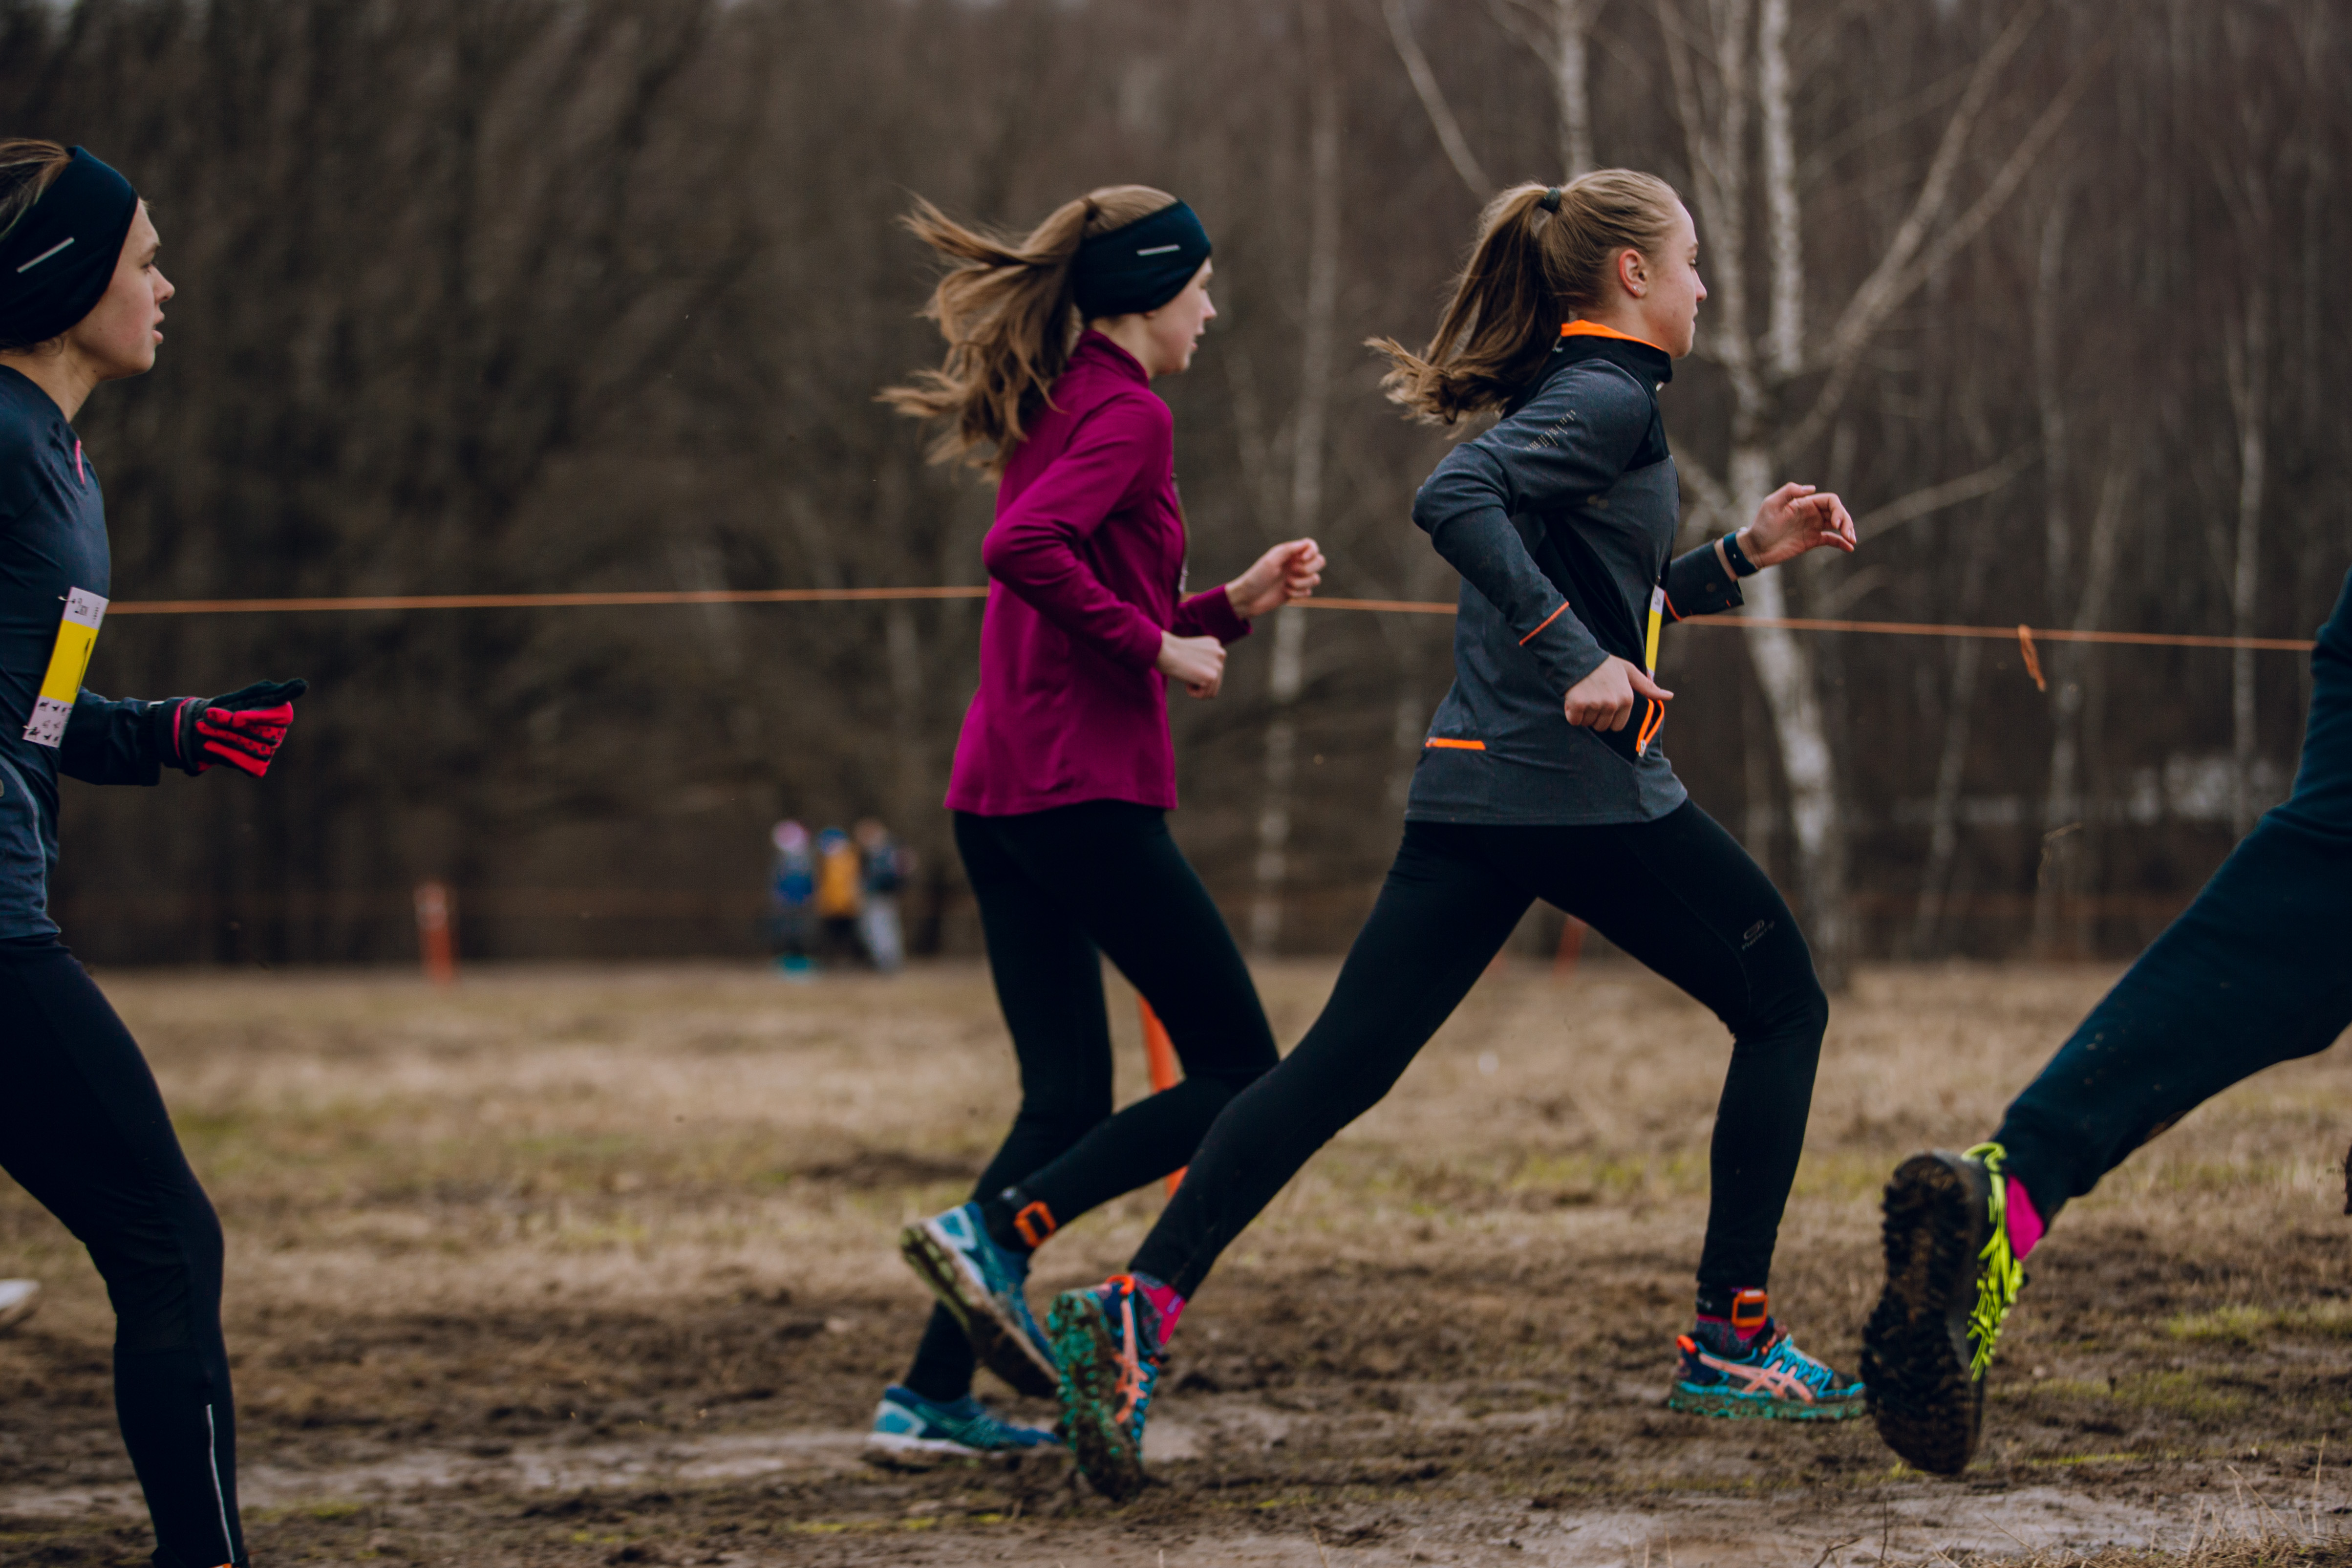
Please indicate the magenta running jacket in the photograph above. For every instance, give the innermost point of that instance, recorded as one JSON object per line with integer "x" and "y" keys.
{"x": 1084, "y": 563}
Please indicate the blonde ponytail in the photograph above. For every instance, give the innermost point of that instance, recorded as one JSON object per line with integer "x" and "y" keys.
{"x": 1542, "y": 253}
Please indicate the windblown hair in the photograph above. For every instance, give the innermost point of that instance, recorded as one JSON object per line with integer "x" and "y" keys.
{"x": 28, "y": 169}
{"x": 1008, "y": 310}
{"x": 1529, "y": 271}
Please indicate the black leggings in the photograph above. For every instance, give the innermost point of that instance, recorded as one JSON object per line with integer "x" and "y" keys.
{"x": 2257, "y": 970}
{"x": 84, "y": 1130}
{"x": 1058, "y": 891}
{"x": 1678, "y": 893}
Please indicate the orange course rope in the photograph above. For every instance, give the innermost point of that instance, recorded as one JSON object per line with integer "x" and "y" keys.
{"x": 384, "y": 602}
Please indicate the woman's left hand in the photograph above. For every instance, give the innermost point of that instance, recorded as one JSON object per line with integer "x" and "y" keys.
{"x": 1794, "y": 518}
{"x": 1285, "y": 573}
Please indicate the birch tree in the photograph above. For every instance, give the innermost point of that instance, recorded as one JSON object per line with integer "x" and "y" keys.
{"x": 1286, "y": 677}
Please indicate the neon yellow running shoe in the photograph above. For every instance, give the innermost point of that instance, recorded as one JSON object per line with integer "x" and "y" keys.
{"x": 1951, "y": 1279}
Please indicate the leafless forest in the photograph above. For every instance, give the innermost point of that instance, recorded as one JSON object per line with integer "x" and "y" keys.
{"x": 522, "y": 295}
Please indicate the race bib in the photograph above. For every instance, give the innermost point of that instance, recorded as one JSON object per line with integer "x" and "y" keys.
{"x": 69, "y": 662}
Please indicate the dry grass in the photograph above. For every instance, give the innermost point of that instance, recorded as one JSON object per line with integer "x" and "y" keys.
{"x": 485, "y": 1242}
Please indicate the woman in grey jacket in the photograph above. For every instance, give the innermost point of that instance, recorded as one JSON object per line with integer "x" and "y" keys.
{"x": 1540, "y": 778}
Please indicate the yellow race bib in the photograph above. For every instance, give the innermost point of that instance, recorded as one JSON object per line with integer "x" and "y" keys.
{"x": 69, "y": 662}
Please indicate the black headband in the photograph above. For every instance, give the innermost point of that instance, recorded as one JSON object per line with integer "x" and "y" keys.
{"x": 58, "y": 257}
{"x": 1142, "y": 266}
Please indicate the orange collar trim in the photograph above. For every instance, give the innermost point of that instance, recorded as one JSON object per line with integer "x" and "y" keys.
{"x": 1595, "y": 329}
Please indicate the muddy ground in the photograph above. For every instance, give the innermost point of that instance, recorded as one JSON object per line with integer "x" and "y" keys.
{"x": 596, "y": 1266}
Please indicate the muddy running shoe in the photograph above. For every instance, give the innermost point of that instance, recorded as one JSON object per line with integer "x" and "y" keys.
{"x": 1107, "y": 1340}
{"x": 1951, "y": 1279}
{"x": 18, "y": 1298}
{"x": 982, "y": 1285}
{"x": 911, "y": 1430}
{"x": 1764, "y": 1377}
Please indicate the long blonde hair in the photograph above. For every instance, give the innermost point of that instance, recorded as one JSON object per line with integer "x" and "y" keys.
{"x": 1007, "y": 309}
{"x": 1528, "y": 271}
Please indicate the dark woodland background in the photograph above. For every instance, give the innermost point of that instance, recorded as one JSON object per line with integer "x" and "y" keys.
{"x": 523, "y": 295}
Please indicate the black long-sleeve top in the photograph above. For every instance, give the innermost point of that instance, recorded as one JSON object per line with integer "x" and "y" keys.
{"x": 52, "y": 542}
{"x": 1561, "y": 520}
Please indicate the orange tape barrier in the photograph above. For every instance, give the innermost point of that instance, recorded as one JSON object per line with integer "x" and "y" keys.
{"x": 534, "y": 601}
{"x": 872, "y": 595}
{"x": 1882, "y": 628}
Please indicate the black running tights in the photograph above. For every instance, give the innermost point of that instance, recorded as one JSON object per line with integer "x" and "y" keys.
{"x": 1679, "y": 894}
{"x": 84, "y": 1130}
{"x": 1058, "y": 891}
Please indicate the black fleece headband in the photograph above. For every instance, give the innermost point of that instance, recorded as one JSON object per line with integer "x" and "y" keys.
{"x": 58, "y": 257}
{"x": 1142, "y": 266}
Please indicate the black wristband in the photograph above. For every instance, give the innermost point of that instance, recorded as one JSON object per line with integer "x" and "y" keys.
{"x": 173, "y": 733}
{"x": 1740, "y": 565}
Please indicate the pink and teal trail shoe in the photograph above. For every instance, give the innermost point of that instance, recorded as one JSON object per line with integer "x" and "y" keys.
{"x": 1749, "y": 1369}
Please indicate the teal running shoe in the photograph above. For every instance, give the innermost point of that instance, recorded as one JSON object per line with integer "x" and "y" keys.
{"x": 911, "y": 1430}
{"x": 1107, "y": 1342}
{"x": 1951, "y": 1279}
{"x": 983, "y": 1285}
{"x": 1765, "y": 1377}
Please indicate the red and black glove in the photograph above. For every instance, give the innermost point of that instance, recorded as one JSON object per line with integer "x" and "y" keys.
{"x": 243, "y": 728}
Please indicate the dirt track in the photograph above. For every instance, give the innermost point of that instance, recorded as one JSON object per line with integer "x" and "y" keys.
{"x": 585, "y": 1266}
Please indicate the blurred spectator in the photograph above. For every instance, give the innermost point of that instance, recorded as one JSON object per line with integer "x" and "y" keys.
{"x": 886, "y": 868}
{"x": 792, "y": 884}
{"x": 839, "y": 894}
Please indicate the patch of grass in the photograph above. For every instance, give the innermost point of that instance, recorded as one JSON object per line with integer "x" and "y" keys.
{"x": 2176, "y": 1393}
{"x": 2246, "y": 1325}
{"x": 2237, "y": 1325}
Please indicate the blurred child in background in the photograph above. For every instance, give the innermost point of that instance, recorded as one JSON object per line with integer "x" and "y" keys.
{"x": 792, "y": 882}
{"x": 840, "y": 893}
{"x": 887, "y": 868}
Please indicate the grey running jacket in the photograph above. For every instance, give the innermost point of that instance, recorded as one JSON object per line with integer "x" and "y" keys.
{"x": 1561, "y": 520}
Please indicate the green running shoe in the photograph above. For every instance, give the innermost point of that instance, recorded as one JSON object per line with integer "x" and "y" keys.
{"x": 1951, "y": 1279}
{"x": 1107, "y": 1343}
{"x": 1762, "y": 1378}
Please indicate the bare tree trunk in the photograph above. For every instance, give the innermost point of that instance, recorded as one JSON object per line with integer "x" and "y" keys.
{"x": 2064, "y": 821}
{"x": 1571, "y": 82}
{"x": 1784, "y": 669}
{"x": 2058, "y": 820}
{"x": 1784, "y": 342}
{"x": 2248, "y": 351}
{"x": 1944, "y": 814}
{"x": 1952, "y": 761}
{"x": 2057, "y": 529}
{"x": 1287, "y": 675}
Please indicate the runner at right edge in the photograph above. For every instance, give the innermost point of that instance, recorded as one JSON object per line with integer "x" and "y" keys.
{"x": 2254, "y": 973}
{"x": 1541, "y": 777}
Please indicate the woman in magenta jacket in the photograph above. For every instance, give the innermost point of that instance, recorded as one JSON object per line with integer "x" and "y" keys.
{"x": 1063, "y": 774}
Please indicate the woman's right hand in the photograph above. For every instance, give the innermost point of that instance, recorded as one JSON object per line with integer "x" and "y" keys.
{"x": 1604, "y": 699}
{"x": 1198, "y": 662}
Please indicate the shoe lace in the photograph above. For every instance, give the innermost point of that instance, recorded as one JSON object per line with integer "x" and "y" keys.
{"x": 1812, "y": 1372}
{"x": 2001, "y": 1276}
{"x": 1132, "y": 1390}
